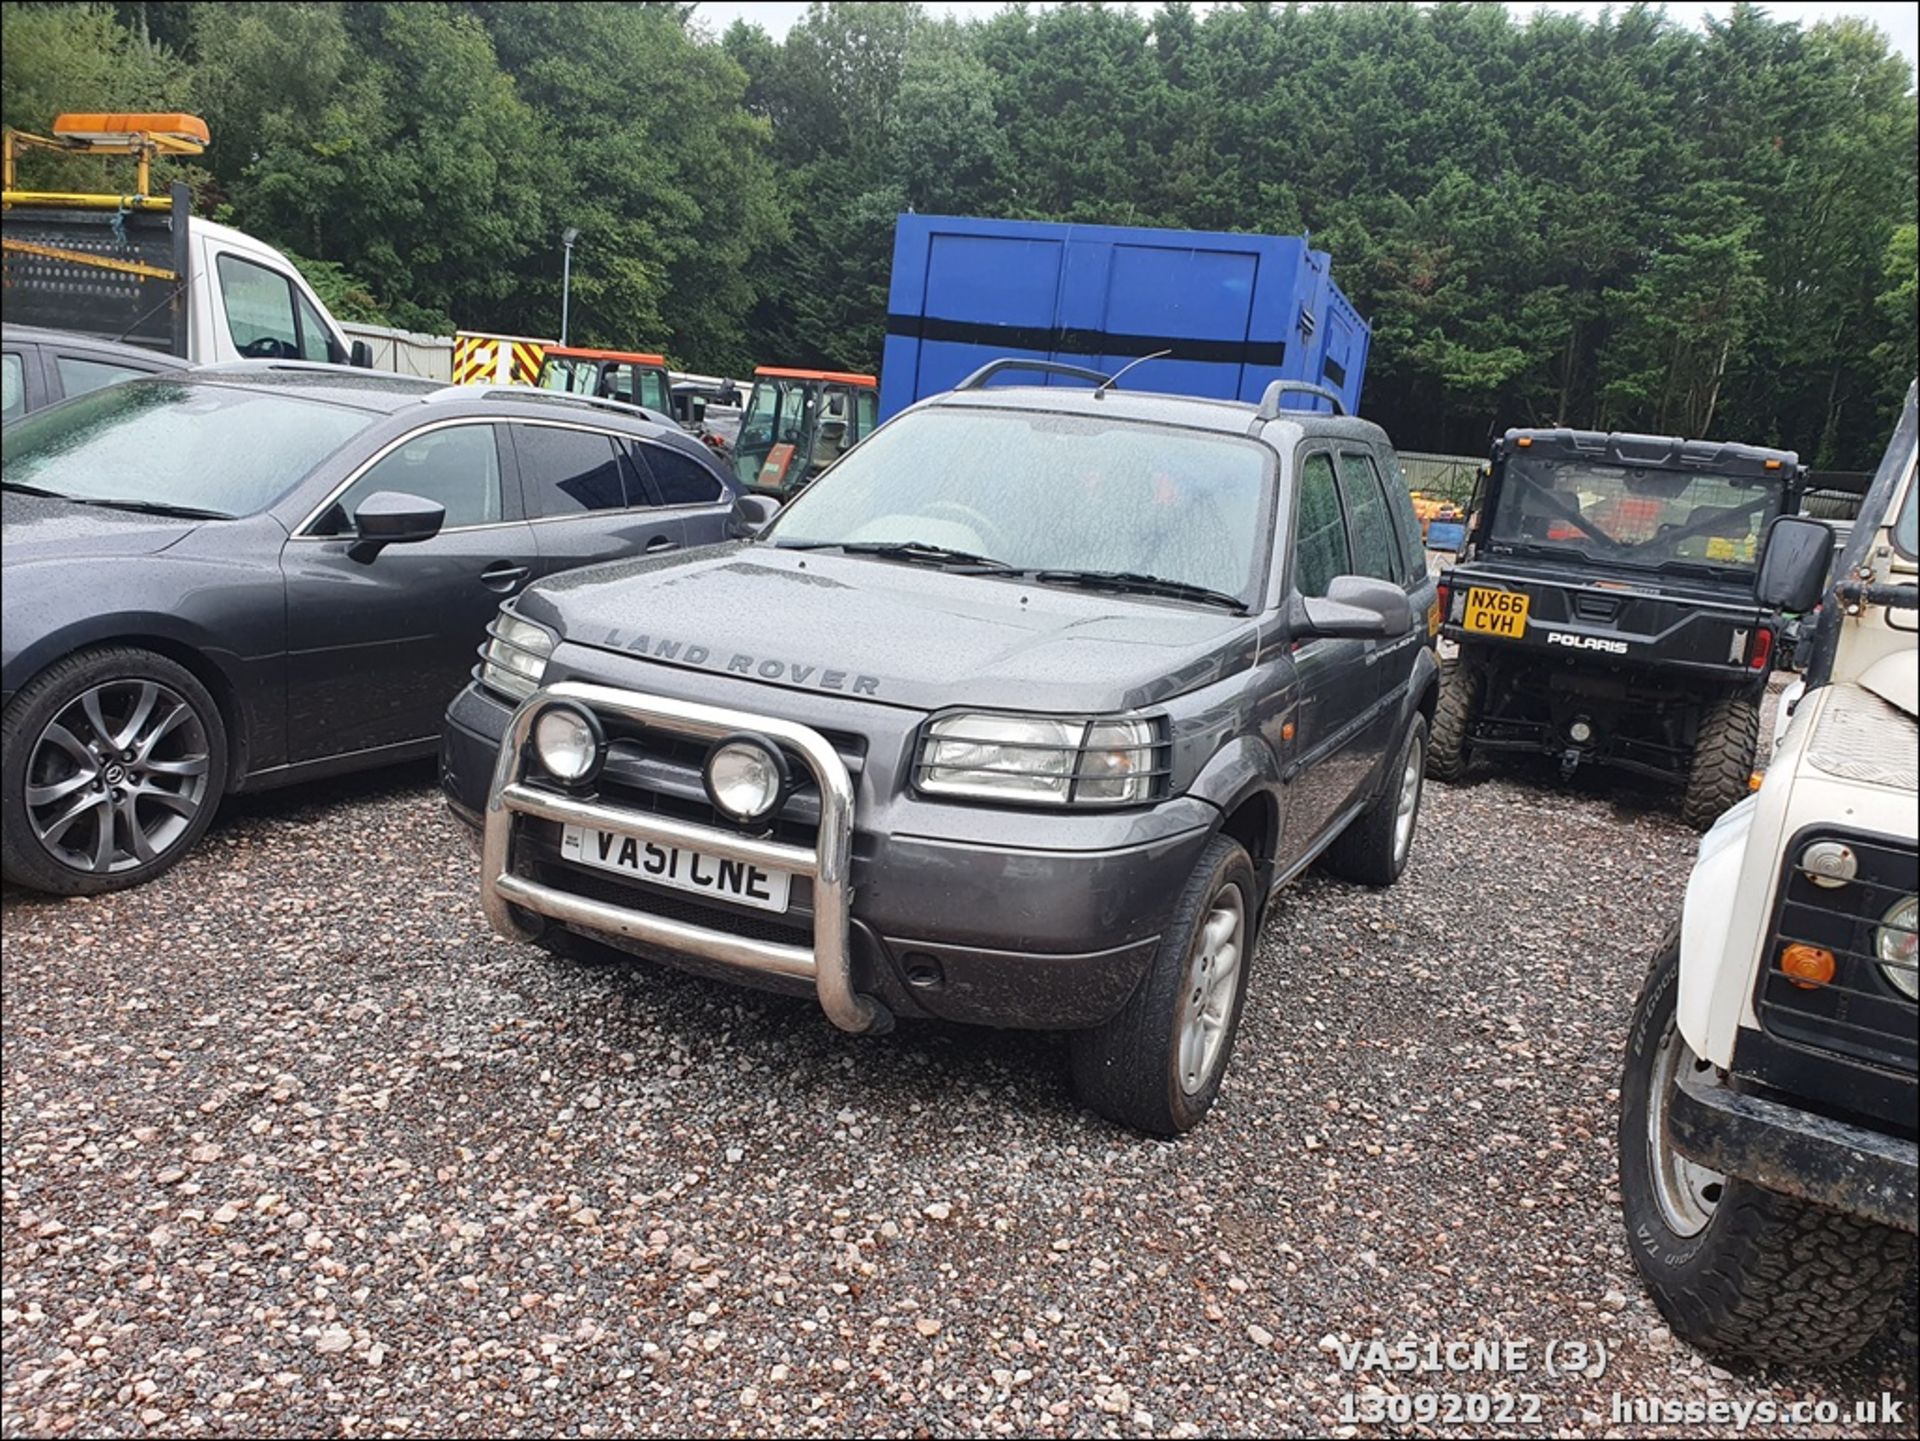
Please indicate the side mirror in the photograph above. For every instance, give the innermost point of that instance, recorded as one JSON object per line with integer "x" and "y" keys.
{"x": 1361, "y": 608}
{"x": 1794, "y": 564}
{"x": 391, "y": 517}
{"x": 756, "y": 512}
{"x": 361, "y": 355}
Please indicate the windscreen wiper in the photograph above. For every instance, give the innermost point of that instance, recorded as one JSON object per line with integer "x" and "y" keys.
{"x": 149, "y": 507}
{"x": 1133, "y": 583}
{"x": 912, "y": 551}
{"x": 21, "y": 489}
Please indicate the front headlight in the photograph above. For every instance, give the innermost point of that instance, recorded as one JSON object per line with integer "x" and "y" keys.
{"x": 515, "y": 656}
{"x": 1039, "y": 760}
{"x": 1895, "y": 943}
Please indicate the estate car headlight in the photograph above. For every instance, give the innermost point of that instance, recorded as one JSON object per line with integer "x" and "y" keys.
{"x": 1895, "y": 943}
{"x": 515, "y": 656}
{"x": 1039, "y": 760}
{"x": 569, "y": 743}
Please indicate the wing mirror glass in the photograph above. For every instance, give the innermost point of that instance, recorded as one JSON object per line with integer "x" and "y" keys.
{"x": 361, "y": 355}
{"x": 1794, "y": 565}
{"x": 756, "y": 512}
{"x": 1359, "y": 607}
{"x": 392, "y": 517}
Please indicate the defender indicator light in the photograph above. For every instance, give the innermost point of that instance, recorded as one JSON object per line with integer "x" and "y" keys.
{"x": 1806, "y": 966}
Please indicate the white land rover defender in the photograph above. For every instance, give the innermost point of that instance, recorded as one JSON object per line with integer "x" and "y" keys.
{"x": 1767, "y": 1110}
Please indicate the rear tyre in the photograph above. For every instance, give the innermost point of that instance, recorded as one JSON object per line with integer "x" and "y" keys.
{"x": 1462, "y": 685}
{"x": 1738, "y": 1271}
{"x": 1373, "y": 849}
{"x": 1723, "y": 757}
{"x": 112, "y": 763}
{"x": 1157, "y": 1065}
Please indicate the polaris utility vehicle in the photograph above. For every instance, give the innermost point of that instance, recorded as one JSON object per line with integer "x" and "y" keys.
{"x": 1018, "y": 716}
{"x": 1605, "y": 610}
{"x": 1768, "y": 1106}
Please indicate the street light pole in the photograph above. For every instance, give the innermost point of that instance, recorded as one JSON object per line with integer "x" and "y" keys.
{"x": 567, "y": 237}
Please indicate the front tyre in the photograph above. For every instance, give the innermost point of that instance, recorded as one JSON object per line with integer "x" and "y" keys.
{"x": 112, "y": 763}
{"x": 1723, "y": 755}
{"x": 1157, "y": 1065}
{"x": 1737, "y": 1270}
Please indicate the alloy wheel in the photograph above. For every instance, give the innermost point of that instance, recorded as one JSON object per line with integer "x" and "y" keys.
{"x": 117, "y": 777}
{"x": 1213, "y": 977}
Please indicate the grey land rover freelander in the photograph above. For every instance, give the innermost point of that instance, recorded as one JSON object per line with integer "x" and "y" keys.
{"x": 1018, "y": 716}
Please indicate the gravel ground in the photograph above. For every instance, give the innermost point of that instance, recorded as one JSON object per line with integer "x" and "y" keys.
{"x": 293, "y": 1145}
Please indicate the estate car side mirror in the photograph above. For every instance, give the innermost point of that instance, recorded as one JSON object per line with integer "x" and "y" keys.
{"x": 392, "y": 517}
{"x": 361, "y": 355}
{"x": 1793, "y": 567}
{"x": 756, "y": 512}
{"x": 1359, "y": 607}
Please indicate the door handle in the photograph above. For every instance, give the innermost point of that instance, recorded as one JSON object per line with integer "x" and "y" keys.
{"x": 503, "y": 575}
{"x": 659, "y": 543}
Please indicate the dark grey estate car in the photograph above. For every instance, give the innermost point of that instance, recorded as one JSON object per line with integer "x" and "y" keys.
{"x": 1018, "y": 715}
{"x": 243, "y": 575}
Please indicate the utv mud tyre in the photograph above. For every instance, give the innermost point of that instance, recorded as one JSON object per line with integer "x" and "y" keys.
{"x": 1738, "y": 1271}
{"x": 112, "y": 764}
{"x": 1373, "y": 849}
{"x": 1723, "y": 757}
{"x": 1157, "y": 1065}
{"x": 1462, "y": 686}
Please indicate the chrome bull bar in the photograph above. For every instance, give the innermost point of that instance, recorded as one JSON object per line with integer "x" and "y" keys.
{"x": 828, "y": 963}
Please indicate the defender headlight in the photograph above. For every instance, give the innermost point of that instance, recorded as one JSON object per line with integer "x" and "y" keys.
{"x": 1895, "y": 943}
{"x": 1039, "y": 760}
{"x": 515, "y": 656}
{"x": 745, "y": 778}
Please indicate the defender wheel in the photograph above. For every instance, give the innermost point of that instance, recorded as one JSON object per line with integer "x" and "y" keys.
{"x": 1462, "y": 684}
{"x": 1737, "y": 1270}
{"x": 1723, "y": 757}
{"x": 1373, "y": 849}
{"x": 112, "y": 763}
{"x": 1157, "y": 1065}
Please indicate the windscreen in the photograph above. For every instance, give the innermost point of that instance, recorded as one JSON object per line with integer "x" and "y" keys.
{"x": 1050, "y": 492}
{"x": 1639, "y": 516}
{"x": 216, "y": 448}
{"x": 575, "y": 376}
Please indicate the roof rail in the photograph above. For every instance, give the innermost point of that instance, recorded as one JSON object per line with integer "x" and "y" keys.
{"x": 1270, "y": 402}
{"x": 1013, "y": 362}
{"x": 530, "y": 392}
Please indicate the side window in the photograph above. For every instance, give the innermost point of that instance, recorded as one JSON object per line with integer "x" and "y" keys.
{"x": 1376, "y": 547}
{"x": 653, "y": 390}
{"x": 259, "y": 305}
{"x": 569, "y": 472}
{"x": 865, "y": 403}
{"x": 78, "y": 376}
{"x": 1320, "y": 536}
{"x": 316, "y": 342}
{"x": 679, "y": 478}
{"x": 1413, "y": 548}
{"x": 13, "y": 385}
{"x": 458, "y": 466}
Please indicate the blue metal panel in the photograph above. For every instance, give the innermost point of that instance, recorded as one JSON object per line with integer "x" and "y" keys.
{"x": 1237, "y": 311}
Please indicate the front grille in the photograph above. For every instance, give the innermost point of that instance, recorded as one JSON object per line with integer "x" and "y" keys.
{"x": 1858, "y": 1013}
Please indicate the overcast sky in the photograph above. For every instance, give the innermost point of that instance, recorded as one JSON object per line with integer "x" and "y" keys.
{"x": 1899, "y": 19}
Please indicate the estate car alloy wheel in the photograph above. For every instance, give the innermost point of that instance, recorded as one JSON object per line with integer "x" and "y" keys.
{"x": 1212, "y": 993}
{"x": 114, "y": 763}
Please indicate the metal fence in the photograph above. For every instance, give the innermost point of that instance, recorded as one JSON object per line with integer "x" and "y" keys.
{"x": 1447, "y": 476}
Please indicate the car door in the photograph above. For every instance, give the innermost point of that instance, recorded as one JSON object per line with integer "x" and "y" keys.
{"x": 692, "y": 487}
{"x": 587, "y": 498}
{"x": 378, "y": 647}
{"x": 1324, "y": 758}
{"x": 1373, "y": 535}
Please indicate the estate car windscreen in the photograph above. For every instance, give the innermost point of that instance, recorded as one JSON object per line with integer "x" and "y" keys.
{"x": 214, "y": 448}
{"x": 1638, "y": 516}
{"x": 1050, "y": 492}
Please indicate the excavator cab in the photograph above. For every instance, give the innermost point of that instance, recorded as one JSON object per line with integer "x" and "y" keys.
{"x": 798, "y": 422}
{"x": 629, "y": 376}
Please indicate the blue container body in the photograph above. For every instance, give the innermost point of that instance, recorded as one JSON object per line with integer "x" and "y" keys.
{"x": 1237, "y": 311}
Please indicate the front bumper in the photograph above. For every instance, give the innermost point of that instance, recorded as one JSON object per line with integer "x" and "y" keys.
{"x": 1833, "y": 1163}
{"x": 936, "y": 923}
